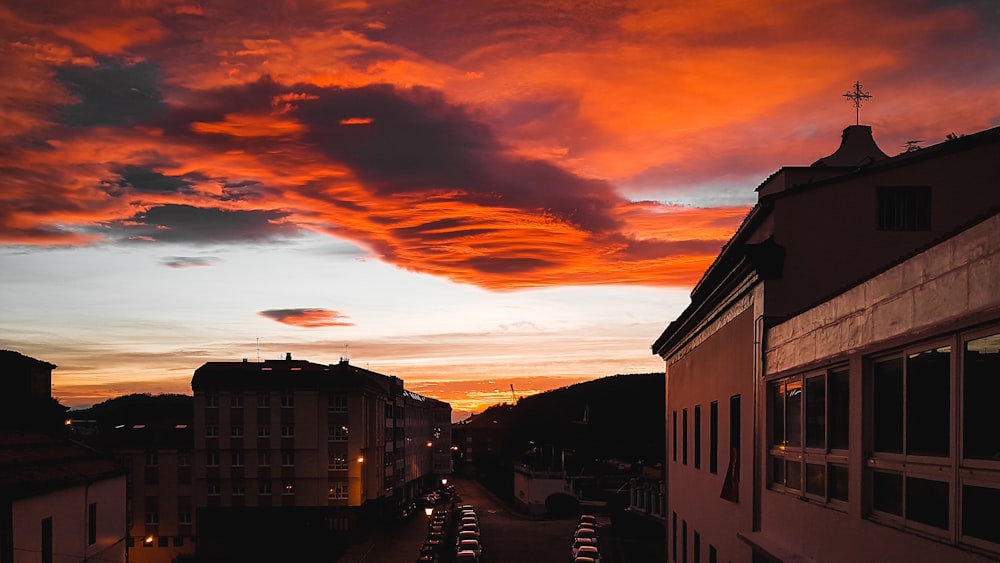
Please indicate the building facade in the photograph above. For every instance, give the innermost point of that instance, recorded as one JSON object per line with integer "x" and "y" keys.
{"x": 334, "y": 447}
{"x": 776, "y": 442}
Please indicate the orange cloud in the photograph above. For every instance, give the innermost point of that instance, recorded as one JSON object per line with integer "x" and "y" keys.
{"x": 307, "y": 318}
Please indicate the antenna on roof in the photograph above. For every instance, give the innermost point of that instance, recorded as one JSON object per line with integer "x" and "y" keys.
{"x": 347, "y": 352}
{"x": 258, "y": 349}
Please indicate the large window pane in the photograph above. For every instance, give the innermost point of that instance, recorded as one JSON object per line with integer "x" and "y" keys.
{"x": 928, "y": 413}
{"x": 839, "y": 409}
{"x": 778, "y": 470}
{"x": 816, "y": 479}
{"x": 927, "y": 502}
{"x": 816, "y": 412}
{"x": 837, "y": 478}
{"x": 888, "y": 405}
{"x": 793, "y": 475}
{"x": 793, "y": 413}
{"x": 777, "y": 415}
{"x": 887, "y": 492}
{"x": 981, "y": 513}
{"x": 981, "y": 418}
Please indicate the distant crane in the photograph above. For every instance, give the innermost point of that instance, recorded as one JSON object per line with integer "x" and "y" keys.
{"x": 513, "y": 397}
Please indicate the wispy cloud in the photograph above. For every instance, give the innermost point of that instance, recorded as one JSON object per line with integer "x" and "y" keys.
{"x": 307, "y": 318}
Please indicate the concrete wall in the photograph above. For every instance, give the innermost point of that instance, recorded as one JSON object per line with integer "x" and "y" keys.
{"x": 68, "y": 509}
{"x": 718, "y": 365}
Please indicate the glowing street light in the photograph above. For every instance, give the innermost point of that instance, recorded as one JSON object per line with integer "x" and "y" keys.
{"x": 428, "y": 510}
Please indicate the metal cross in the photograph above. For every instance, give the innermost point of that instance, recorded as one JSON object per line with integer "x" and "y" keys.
{"x": 857, "y": 96}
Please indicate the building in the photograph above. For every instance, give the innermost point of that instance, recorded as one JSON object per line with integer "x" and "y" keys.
{"x": 826, "y": 397}
{"x": 60, "y": 501}
{"x": 157, "y": 455}
{"x": 307, "y": 454}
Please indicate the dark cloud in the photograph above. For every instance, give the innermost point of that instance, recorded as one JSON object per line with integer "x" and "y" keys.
{"x": 184, "y": 223}
{"x": 507, "y": 266}
{"x": 189, "y": 261}
{"x": 418, "y": 141}
{"x": 144, "y": 179}
{"x": 113, "y": 93}
{"x": 307, "y": 318}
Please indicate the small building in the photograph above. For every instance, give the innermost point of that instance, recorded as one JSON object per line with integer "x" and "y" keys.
{"x": 59, "y": 502}
{"x": 825, "y": 399}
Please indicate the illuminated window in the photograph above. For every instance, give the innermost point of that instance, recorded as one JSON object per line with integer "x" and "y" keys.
{"x": 338, "y": 461}
{"x": 338, "y": 490}
{"x": 288, "y": 488}
{"x": 338, "y": 433}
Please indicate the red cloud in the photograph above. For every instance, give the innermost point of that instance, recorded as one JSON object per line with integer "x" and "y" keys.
{"x": 307, "y": 318}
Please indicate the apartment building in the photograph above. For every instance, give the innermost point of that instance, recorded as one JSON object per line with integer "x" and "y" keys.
{"x": 826, "y": 390}
{"x": 307, "y": 452}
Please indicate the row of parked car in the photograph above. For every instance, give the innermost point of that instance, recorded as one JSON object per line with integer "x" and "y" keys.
{"x": 468, "y": 547}
{"x": 584, "y": 548}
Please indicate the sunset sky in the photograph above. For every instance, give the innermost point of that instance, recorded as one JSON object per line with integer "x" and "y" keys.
{"x": 469, "y": 195}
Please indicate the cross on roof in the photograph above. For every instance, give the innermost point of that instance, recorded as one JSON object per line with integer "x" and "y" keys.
{"x": 857, "y": 96}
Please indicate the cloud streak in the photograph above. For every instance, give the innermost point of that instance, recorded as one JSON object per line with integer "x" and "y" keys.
{"x": 307, "y": 318}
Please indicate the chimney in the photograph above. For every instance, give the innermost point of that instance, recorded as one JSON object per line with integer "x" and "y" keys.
{"x": 288, "y": 356}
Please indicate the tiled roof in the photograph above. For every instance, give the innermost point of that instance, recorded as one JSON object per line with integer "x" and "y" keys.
{"x": 32, "y": 463}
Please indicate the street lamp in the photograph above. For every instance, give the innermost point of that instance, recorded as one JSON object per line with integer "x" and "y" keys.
{"x": 428, "y": 510}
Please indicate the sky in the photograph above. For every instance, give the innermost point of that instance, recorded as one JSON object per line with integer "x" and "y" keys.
{"x": 487, "y": 199}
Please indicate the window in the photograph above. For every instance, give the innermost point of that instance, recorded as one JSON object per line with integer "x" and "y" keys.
{"x": 684, "y": 436}
{"x": 178, "y": 541}
{"x": 239, "y": 489}
{"x": 935, "y": 470}
{"x": 264, "y": 431}
{"x": 338, "y": 403}
{"x": 287, "y": 400}
{"x": 46, "y": 540}
{"x": 731, "y": 484}
{"x": 809, "y": 434}
{"x": 288, "y": 487}
{"x": 338, "y": 490}
{"x": 338, "y": 433}
{"x": 211, "y": 400}
{"x": 238, "y": 458}
{"x": 287, "y": 431}
{"x": 92, "y": 523}
{"x": 152, "y": 510}
{"x": 263, "y": 487}
{"x": 152, "y": 458}
{"x": 212, "y": 458}
{"x": 184, "y": 517}
{"x": 713, "y": 555}
{"x": 263, "y": 458}
{"x": 338, "y": 461}
{"x": 713, "y": 437}
{"x": 214, "y": 489}
{"x": 904, "y": 208}
{"x": 697, "y": 436}
{"x": 673, "y": 530}
{"x": 163, "y": 541}
{"x": 287, "y": 457}
{"x": 263, "y": 401}
{"x": 236, "y": 400}
{"x": 697, "y": 547}
{"x": 684, "y": 541}
{"x": 211, "y": 431}
{"x": 237, "y": 431}
{"x": 673, "y": 426}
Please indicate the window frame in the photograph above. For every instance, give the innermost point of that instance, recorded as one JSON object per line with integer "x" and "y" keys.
{"x": 806, "y": 453}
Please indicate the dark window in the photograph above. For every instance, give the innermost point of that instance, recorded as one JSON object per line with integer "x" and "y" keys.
{"x": 674, "y": 427}
{"x": 837, "y": 482}
{"x": 981, "y": 417}
{"x": 46, "y": 538}
{"x": 92, "y": 523}
{"x": 904, "y": 208}
{"x": 684, "y": 541}
{"x": 713, "y": 437}
{"x": 684, "y": 430}
{"x": 697, "y": 436}
{"x": 887, "y": 392}
{"x": 839, "y": 409}
{"x": 697, "y": 547}
{"x": 816, "y": 412}
{"x": 713, "y": 555}
{"x": 163, "y": 541}
{"x": 731, "y": 484}
{"x": 673, "y": 538}
{"x": 928, "y": 414}
{"x": 816, "y": 479}
{"x": 887, "y": 492}
{"x": 927, "y": 502}
{"x": 981, "y": 512}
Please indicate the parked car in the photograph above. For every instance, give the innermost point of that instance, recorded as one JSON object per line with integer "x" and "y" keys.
{"x": 588, "y": 518}
{"x": 469, "y": 528}
{"x": 466, "y": 535}
{"x": 580, "y": 542}
{"x": 473, "y": 546}
{"x": 584, "y": 560}
{"x": 589, "y": 551}
{"x": 466, "y": 557}
{"x": 585, "y": 533}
